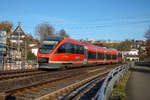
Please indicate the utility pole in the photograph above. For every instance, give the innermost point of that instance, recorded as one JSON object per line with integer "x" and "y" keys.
{"x": 25, "y": 50}
{"x": 19, "y": 54}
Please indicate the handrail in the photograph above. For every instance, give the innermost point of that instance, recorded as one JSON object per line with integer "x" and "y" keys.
{"x": 111, "y": 78}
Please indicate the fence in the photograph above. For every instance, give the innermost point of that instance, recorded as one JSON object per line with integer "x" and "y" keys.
{"x": 110, "y": 80}
{"x": 19, "y": 65}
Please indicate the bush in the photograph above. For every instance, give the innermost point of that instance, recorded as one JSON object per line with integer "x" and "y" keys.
{"x": 118, "y": 92}
{"x": 31, "y": 56}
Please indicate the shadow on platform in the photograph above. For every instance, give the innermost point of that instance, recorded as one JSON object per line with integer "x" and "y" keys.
{"x": 144, "y": 70}
{"x": 147, "y": 64}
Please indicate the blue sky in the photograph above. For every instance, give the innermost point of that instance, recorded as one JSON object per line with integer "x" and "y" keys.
{"x": 92, "y": 19}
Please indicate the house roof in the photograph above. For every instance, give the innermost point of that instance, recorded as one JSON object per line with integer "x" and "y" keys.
{"x": 18, "y": 31}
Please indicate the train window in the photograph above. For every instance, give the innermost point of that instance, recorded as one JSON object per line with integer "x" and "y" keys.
{"x": 91, "y": 55}
{"x": 61, "y": 49}
{"x": 100, "y": 56}
{"x": 66, "y": 48}
{"x": 108, "y": 56}
{"x": 73, "y": 49}
{"x": 69, "y": 48}
{"x": 114, "y": 57}
{"x": 119, "y": 55}
{"x": 79, "y": 49}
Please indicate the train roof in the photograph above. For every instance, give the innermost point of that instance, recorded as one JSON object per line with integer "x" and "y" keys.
{"x": 90, "y": 46}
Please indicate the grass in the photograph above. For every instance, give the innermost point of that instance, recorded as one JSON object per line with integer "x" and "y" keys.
{"x": 119, "y": 91}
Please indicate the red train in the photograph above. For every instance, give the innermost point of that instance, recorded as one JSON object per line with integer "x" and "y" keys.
{"x": 59, "y": 52}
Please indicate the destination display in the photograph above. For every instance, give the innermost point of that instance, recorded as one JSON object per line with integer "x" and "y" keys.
{"x": 50, "y": 42}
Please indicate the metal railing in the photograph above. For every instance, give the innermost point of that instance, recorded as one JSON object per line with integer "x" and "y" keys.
{"x": 111, "y": 78}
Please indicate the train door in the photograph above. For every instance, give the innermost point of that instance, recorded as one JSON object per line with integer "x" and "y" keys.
{"x": 105, "y": 56}
{"x": 117, "y": 57}
{"x": 111, "y": 59}
{"x": 85, "y": 55}
{"x": 96, "y": 55}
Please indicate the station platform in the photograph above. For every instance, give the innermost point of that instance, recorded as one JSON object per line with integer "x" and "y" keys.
{"x": 138, "y": 85}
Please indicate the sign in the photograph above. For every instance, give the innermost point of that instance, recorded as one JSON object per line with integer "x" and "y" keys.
{"x": 50, "y": 42}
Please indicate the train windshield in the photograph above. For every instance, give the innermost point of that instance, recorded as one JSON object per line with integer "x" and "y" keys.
{"x": 47, "y": 46}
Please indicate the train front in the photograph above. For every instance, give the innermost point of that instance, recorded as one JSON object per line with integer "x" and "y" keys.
{"x": 46, "y": 50}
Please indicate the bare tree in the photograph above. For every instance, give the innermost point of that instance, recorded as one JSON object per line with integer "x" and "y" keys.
{"x": 43, "y": 30}
{"x": 148, "y": 47}
{"x": 6, "y": 25}
{"x": 124, "y": 45}
{"x": 147, "y": 34}
{"x": 63, "y": 33}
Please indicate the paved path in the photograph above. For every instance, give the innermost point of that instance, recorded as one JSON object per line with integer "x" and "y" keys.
{"x": 138, "y": 85}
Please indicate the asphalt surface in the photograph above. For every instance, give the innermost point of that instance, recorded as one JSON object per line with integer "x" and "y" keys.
{"x": 138, "y": 85}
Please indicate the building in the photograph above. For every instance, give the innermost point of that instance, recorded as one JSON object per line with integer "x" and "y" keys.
{"x": 18, "y": 35}
{"x": 2, "y": 47}
{"x": 34, "y": 48}
{"x": 2, "y": 37}
{"x": 34, "y": 51}
{"x": 132, "y": 55}
{"x": 17, "y": 43}
{"x": 14, "y": 47}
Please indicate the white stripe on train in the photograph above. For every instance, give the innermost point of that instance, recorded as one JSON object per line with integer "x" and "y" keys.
{"x": 79, "y": 61}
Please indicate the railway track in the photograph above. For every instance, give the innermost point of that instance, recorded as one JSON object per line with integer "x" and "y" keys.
{"x": 16, "y": 71}
{"x": 37, "y": 86}
{"x": 14, "y": 75}
{"x": 85, "y": 92}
